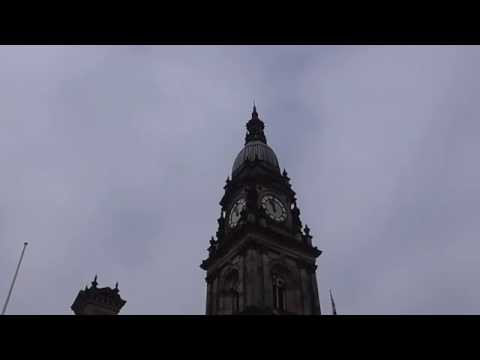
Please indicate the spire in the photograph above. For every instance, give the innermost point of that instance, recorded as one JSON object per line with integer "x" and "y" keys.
{"x": 255, "y": 128}
{"x": 334, "y": 310}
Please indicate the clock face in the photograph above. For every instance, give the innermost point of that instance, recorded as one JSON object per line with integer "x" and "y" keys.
{"x": 236, "y": 211}
{"x": 274, "y": 208}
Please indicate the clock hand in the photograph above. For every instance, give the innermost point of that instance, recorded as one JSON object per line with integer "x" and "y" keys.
{"x": 272, "y": 203}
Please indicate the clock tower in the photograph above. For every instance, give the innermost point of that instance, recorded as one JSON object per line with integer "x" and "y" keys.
{"x": 262, "y": 260}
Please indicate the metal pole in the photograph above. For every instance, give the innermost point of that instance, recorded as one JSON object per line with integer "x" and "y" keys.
{"x": 334, "y": 309}
{"x": 14, "y": 279}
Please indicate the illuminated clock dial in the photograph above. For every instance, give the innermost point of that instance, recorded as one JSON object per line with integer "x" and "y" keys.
{"x": 274, "y": 208}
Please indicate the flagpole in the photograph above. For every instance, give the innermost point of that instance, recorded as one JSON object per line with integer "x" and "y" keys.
{"x": 14, "y": 279}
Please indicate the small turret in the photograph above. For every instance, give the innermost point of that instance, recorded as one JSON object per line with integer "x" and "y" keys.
{"x": 98, "y": 301}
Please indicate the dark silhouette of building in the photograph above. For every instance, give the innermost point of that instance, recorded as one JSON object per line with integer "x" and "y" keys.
{"x": 262, "y": 260}
{"x": 98, "y": 301}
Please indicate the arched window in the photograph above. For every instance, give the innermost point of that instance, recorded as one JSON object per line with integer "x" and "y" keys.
{"x": 235, "y": 298}
{"x": 279, "y": 293}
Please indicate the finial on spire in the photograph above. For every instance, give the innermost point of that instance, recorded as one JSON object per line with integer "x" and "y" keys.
{"x": 254, "y": 112}
{"x": 94, "y": 282}
{"x": 116, "y": 286}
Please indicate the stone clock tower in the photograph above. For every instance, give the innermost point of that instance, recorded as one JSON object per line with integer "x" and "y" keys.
{"x": 262, "y": 260}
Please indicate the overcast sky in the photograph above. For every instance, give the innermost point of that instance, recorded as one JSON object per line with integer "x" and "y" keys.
{"x": 114, "y": 159}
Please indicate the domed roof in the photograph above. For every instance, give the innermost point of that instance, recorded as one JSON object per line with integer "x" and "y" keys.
{"x": 259, "y": 150}
{"x": 256, "y": 146}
